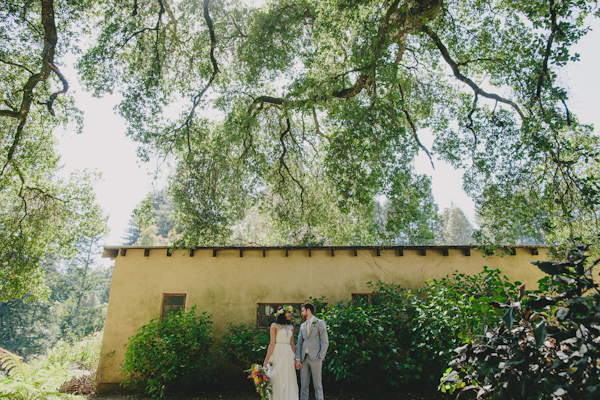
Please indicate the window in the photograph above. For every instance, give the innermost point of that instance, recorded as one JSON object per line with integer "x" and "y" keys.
{"x": 362, "y": 299}
{"x": 265, "y": 314}
{"x": 172, "y": 303}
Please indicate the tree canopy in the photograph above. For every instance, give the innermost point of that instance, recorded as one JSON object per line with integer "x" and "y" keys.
{"x": 323, "y": 102}
{"x": 41, "y": 214}
{"x": 310, "y": 111}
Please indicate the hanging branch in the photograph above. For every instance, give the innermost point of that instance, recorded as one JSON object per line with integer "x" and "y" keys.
{"x": 53, "y": 96}
{"x": 455, "y": 69}
{"x": 282, "y": 163}
{"x": 198, "y": 97}
{"x": 50, "y": 41}
{"x": 412, "y": 127}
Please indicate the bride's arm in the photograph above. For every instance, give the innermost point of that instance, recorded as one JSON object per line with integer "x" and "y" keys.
{"x": 271, "y": 345}
{"x": 292, "y": 342}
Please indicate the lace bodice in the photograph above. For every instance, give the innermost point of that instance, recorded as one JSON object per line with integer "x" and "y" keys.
{"x": 284, "y": 333}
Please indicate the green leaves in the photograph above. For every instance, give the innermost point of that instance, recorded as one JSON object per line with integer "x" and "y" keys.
{"x": 244, "y": 345}
{"x": 544, "y": 347}
{"x": 170, "y": 352}
{"x": 509, "y": 318}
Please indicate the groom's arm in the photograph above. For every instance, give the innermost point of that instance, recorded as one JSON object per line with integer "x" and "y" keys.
{"x": 324, "y": 339}
{"x": 299, "y": 345}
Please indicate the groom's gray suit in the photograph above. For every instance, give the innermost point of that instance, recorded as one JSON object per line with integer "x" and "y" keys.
{"x": 310, "y": 350}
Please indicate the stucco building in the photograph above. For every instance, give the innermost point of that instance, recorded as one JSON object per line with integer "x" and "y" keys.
{"x": 246, "y": 284}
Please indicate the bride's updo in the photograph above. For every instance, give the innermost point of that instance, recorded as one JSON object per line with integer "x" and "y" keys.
{"x": 281, "y": 315}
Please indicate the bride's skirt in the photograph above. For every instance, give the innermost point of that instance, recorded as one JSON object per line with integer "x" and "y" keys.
{"x": 283, "y": 373}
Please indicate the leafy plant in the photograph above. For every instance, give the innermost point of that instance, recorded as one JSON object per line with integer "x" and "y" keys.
{"x": 25, "y": 382}
{"x": 173, "y": 351}
{"x": 243, "y": 345}
{"x": 405, "y": 337}
{"x": 544, "y": 346}
{"x": 443, "y": 315}
{"x": 364, "y": 346}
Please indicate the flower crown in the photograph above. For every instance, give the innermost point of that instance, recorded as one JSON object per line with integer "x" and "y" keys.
{"x": 285, "y": 308}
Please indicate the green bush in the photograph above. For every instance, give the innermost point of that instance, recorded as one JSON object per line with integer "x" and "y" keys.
{"x": 446, "y": 314}
{"x": 244, "y": 345}
{"x": 170, "y": 352}
{"x": 544, "y": 347}
{"x": 407, "y": 337}
{"x": 83, "y": 354}
{"x": 364, "y": 345}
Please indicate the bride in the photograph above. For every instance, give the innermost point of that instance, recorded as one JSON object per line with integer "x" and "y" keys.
{"x": 281, "y": 352}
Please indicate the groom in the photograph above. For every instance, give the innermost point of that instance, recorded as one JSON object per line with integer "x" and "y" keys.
{"x": 310, "y": 351}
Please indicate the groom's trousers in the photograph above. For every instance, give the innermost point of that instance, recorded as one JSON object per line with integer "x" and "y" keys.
{"x": 311, "y": 367}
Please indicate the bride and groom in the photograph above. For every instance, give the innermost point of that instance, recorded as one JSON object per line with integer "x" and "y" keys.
{"x": 307, "y": 355}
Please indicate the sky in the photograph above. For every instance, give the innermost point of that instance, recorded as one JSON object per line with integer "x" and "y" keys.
{"x": 103, "y": 146}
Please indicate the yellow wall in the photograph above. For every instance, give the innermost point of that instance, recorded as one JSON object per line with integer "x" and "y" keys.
{"x": 229, "y": 286}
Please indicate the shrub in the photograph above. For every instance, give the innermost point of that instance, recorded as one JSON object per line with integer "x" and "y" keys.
{"x": 170, "y": 352}
{"x": 24, "y": 382}
{"x": 244, "y": 345}
{"x": 83, "y": 354}
{"x": 408, "y": 337}
{"x": 364, "y": 346}
{"x": 447, "y": 314}
{"x": 544, "y": 346}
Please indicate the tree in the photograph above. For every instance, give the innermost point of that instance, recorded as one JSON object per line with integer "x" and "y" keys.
{"x": 40, "y": 214}
{"x": 76, "y": 305}
{"x": 132, "y": 233}
{"x": 342, "y": 89}
{"x": 335, "y": 93}
{"x": 455, "y": 227}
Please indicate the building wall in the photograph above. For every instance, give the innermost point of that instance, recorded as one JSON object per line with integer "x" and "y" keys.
{"x": 229, "y": 286}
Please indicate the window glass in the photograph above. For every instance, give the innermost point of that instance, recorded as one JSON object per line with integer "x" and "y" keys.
{"x": 266, "y": 314}
{"x": 172, "y": 303}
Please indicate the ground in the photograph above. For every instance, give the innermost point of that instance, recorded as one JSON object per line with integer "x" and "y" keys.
{"x": 243, "y": 394}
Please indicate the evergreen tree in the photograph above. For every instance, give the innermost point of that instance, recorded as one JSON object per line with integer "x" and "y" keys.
{"x": 455, "y": 228}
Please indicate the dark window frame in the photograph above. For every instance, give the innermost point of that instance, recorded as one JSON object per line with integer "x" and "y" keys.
{"x": 165, "y": 295}
{"x": 275, "y": 306}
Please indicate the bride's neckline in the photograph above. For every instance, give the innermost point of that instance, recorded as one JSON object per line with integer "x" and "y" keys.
{"x": 282, "y": 326}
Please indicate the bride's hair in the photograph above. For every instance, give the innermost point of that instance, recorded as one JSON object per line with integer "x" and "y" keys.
{"x": 281, "y": 319}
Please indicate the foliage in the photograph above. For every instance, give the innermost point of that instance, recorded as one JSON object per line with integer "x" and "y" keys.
{"x": 42, "y": 215}
{"x": 365, "y": 345}
{"x": 403, "y": 337}
{"x": 25, "y": 382}
{"x": 447, "y": 313}
{"x": 168, "y": 352}
{"x": 307, "y": 119}
{"x": 544, "y": 346}
{"x": 243, "y": 345}
{"x": 152, "y": 221}
{"x": 83, "y": 354}
{"x": 76, "y": 306}
{"x": 455, "y": 228}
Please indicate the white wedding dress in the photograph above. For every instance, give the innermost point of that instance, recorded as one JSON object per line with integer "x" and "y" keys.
{"x": 283, "y": 371}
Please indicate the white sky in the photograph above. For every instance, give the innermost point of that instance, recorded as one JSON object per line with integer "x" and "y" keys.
{"x": 103, "y": 146}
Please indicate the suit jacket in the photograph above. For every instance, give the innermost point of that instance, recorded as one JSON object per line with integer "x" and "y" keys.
{"x": 316, "y": 341}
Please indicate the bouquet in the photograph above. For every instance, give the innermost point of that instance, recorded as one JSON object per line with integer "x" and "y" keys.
{"x": 258, "y": 373}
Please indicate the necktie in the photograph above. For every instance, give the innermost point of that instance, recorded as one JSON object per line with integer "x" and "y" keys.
{"x": 307, "y": 332}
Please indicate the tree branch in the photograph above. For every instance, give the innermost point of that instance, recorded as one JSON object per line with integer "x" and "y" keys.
{"x": 282, "y": 163}
{"x": 50, "y": 40}
{"x": 442, "y": 48}
{"x": 544, "y": 72}
{"x": 412, "y": 126}
{"x": 53, "y": 96}
{"x": 213, "y": 60}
